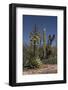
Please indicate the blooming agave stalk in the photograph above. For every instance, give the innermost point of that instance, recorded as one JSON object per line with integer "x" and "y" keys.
{"x": 35, "y": 40}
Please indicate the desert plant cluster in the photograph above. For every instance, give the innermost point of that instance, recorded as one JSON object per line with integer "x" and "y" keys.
{"x": 36, "y": 54}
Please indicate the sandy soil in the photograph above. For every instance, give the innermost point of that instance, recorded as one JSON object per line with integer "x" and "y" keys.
{"x": 45, "y": 69}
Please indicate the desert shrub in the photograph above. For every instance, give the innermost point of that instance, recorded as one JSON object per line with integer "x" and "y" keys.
{"x": 29, "y": 60}
{"x": 52, "y": 60}
{"x": 25, "y": 57}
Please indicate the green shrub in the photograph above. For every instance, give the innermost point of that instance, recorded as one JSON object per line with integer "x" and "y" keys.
{"x": 29, "y": 60}
{"x": 51, "y": 60}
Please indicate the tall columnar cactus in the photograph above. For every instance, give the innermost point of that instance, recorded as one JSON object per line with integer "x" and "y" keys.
{"x": 44, "y": 42}
{"x": 49, "y": 45}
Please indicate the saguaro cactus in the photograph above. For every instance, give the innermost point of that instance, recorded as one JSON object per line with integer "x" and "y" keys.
{"x": 44, "y": 42}
{"x": 49, "y": 45}
{"x": 50, "y": 39}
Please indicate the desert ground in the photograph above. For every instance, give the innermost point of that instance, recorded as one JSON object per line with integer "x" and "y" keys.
{"x": 45, "y": 69}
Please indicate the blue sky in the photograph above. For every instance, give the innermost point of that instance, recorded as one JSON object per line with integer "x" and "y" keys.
{"x": 48, "y": 22}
